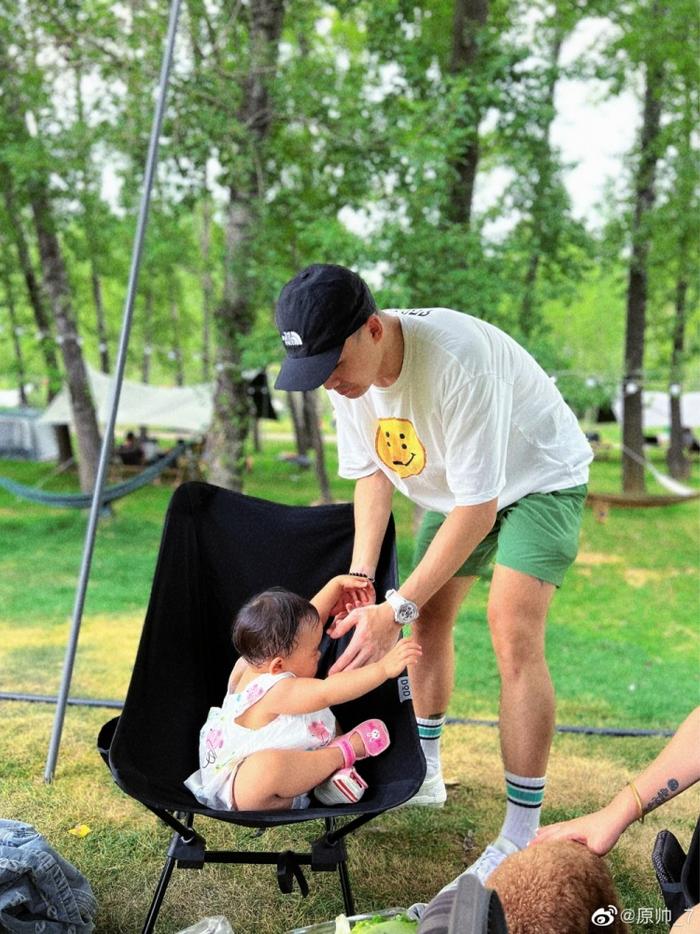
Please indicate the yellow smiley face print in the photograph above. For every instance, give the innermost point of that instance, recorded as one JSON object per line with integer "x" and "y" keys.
{"x": 399, "y": 447}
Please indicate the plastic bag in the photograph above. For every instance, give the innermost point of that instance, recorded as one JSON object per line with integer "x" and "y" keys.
{"x": 217, "y": 925}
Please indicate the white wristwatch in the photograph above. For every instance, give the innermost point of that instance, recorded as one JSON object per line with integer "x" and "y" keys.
{"x": 405, "y": 611}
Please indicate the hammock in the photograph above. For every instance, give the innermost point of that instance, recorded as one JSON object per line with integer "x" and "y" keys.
{"x": 678, "y": 492}
{"x": 84, "y": 500}
{"x": 668, "y": 483}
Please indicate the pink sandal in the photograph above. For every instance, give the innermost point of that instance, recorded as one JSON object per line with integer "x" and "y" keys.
{"x": 375, "y": 737}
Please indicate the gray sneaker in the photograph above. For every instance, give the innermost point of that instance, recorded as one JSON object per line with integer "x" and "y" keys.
{"x": 431, "y": 794}
{"x": 493, "y": 856}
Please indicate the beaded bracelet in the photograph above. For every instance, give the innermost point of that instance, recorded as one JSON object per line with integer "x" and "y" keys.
{"x": 637, "y": 798}
{"x": 360, "y": 574}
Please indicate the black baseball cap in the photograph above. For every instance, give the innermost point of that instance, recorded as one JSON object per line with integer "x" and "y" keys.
{"x": 316, "y": 313}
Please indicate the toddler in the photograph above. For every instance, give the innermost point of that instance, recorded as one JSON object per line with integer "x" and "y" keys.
{"x": 274, "y": 738}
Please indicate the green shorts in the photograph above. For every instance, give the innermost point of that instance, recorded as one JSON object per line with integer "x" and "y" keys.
{"x": 537, "y": 535}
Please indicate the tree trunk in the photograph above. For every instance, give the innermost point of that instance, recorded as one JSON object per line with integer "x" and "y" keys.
{"x": 678, "y": 463}
{"x": 632, "y": 429}
{"x": 542, "y": 153}
{"x": 147, "y": 337}
{"x": 56, "y": 282}
{"x": 234, "y": 316}
{"x": 255, "y": 429}
{"x": 468, "y": 21}
{"x": 176, "y": 351}
{"x": 16, "y": 331}
{"x": 301, "y": 436}
{"x": 64, "y": 442}
{"x": 314, "y": 429}
{"x": 206, "y": 207}
{"x": 100, "y": 314}
{"x": 34, "y": 290}
{"x": 207, "y": 283}
{"x": 685, "y": 182}
{"x": 527, "y": 308}
{"x": 90, "y": 230}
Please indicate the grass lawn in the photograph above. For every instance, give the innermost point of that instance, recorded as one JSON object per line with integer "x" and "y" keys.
{"x": 623, "y": 650}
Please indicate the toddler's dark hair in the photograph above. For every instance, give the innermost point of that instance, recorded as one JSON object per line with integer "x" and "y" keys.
{"x": 268, "y": 625}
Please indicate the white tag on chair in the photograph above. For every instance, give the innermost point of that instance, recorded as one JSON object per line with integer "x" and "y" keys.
{"x": 404, "y": 686}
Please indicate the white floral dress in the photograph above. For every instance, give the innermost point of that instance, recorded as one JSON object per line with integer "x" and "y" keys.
{"x": 224, "y": 743}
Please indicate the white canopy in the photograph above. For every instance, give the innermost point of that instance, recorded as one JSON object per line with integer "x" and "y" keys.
{"x": 656, "y": 409}
{"x": 187, "y": 409}
{"x": 9, "y": 398}
{"x": 22, "y": 436}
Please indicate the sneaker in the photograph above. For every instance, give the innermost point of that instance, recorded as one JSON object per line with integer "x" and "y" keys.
{"x": 431, "y": 794}
{"x": 345, "y": 786}
{"x": 493, "y": 856}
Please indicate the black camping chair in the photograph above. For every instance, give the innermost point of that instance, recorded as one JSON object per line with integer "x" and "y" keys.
{"x": 678, "y": 872}
{"x": 218, "y": 549}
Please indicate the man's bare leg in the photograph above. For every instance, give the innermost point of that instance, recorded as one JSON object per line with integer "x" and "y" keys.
{"x": 432, "y": 679}
{"x": 517, "y": 614}
{"x": 432, "y": 676}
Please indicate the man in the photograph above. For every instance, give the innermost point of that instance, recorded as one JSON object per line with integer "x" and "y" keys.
{"x": 457, "y": 416}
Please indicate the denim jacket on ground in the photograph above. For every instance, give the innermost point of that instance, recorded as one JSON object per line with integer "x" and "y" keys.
{"x": 40, "y": 891}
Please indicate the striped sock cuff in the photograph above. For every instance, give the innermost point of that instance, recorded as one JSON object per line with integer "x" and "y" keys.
{"x": 524, "y": 791}
{"x": 430, "y": 728}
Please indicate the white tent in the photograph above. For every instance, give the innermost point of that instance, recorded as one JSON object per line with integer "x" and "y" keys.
{"x": 24, "y": 437}
{"x": 9, "y": 398}
{"x": 186, "y": 409}
{"x": 657, "y": 413}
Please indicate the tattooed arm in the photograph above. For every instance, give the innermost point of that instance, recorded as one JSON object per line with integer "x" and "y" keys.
{"x": 675, "y": 768}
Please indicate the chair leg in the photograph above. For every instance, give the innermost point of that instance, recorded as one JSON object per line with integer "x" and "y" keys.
{"x": 342, "y": 866}
{"x": 159, "y": 895}
{"x": 348, "y": 900}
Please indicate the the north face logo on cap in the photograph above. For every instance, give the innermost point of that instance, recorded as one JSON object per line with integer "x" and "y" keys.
{"x": 291, "y": 339}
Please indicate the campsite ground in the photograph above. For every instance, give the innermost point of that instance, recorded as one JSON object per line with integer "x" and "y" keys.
{"x": 623, "y": 648}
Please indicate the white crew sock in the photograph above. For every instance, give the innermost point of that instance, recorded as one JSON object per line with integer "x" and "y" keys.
{"x": 429, "y": 732}
{"x": 524, "y": 807}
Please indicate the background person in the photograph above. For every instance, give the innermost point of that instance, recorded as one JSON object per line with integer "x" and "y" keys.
{"x": 130, "y": 452}
{"x": 676, "y": 768}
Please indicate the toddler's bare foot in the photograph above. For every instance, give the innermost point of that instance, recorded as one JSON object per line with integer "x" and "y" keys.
{"x": 357, "y": 744}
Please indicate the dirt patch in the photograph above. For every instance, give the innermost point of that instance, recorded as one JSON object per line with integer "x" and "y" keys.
{"x": 597, "y": 557}
{"x": 640, "y": 577}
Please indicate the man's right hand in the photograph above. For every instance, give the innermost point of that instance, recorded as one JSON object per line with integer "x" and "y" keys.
{"x": 375, "y": 634}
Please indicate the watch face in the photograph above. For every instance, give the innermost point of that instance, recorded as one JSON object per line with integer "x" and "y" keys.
{"x": 407, "y": 612}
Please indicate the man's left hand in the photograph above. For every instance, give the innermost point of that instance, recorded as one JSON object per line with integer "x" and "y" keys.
{"x": 375, "y": 633}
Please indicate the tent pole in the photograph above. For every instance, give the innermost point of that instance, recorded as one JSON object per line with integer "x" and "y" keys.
{"x": 137, "y": 250}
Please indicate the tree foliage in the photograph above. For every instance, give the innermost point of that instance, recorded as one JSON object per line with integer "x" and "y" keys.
{"x": 364, "y": 132}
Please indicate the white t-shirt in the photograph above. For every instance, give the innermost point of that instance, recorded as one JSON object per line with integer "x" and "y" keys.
{"x": 471, "y": 417}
